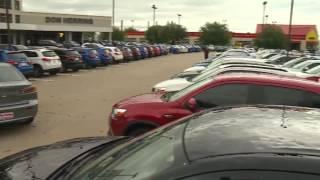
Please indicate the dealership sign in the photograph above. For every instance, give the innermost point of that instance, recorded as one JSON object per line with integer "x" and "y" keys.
{"x": 61, "y": 20}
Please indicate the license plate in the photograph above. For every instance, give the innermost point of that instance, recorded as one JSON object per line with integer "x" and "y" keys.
{"x": 6, "y": 116}
{"x": 23, "y": 64}
{"x": 77, "y": 59}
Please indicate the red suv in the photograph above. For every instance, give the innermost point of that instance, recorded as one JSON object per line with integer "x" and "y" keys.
{"x": 139, "y": 114}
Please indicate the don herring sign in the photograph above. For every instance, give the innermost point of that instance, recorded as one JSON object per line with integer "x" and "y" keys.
{"x": 60, "y": 20}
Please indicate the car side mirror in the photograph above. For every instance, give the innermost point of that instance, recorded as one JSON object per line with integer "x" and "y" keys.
{"x": 192, "y": 104}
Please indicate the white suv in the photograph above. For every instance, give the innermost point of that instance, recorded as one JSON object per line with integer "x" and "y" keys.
{"x": 44, "y": 60}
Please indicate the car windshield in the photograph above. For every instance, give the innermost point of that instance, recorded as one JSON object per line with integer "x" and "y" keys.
{"x": 9, "y": 74}
{"x": 315, "y": 70}
{"x": 294, "y": 62}
{"x": 19, "y": 56}
{"x": 188, "y": 89}
{"x": 303, "y": 64}
{"x": 125, "y": 161}
{"x": 49, "y": 54}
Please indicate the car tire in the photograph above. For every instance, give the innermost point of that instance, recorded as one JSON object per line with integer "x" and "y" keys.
{"x": 64, "y": 69}
{"x": 75, "y": 69}
{"x": 53, "y": 73}
{"x": 37, "y": 71}
{"x": 138, "y": 130}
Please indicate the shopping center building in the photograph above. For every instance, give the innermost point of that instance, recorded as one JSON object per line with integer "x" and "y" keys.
{"x": 33, "y": 26}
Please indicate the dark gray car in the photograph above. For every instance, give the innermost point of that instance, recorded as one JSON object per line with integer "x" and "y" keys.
{"x": 18, "y": 98}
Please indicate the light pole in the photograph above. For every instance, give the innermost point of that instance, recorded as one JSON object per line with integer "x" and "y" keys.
{"x": 267, "y": 17}
{"x": 290, "y": 27}
{"x": 154, "y": 7}
{"x": 179, "y": 18}
{"x": 264, "y": 12}
{"x": 113, "y": 14}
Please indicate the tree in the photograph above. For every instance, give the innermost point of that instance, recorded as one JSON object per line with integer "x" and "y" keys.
{"x": 271, "y": 37}
{"x": 170, "y": 33}
{"x": 215, "y": 33}
{"x": 153, "y": 34}
{"x": 130, "y": 29}
{"x": 117, "y": 34}
{"x": 173, "y": 32}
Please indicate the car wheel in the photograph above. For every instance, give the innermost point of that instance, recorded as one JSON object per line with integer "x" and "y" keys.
{"x": 53, "y": 73}
{"x": 37, "y": 71}
{"x": 138, "y": 130}
{"x": 64, "y": 69}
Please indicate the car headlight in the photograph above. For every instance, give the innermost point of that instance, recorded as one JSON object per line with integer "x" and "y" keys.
{"x": 116, "y": 113}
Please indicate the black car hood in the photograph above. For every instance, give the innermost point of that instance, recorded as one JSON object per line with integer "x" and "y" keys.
{"x": 38, "y": 163}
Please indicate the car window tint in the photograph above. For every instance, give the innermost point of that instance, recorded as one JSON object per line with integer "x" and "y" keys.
{"x": 17, "y": 56}
{"x": 49, "y": 53}
{"x": 253, "y": 175}
{"x": 224, "y": 95}
{"x": 272, "y": 95}
{"x": 31, "y": 54}
{"x": 142, "y": 159}
{"x": 8, "y": 74}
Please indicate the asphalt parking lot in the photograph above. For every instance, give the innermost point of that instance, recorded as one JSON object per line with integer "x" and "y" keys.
{"x": 78, "y": 104}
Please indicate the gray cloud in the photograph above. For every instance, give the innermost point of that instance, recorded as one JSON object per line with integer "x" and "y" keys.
{"x": 241, "y": 16}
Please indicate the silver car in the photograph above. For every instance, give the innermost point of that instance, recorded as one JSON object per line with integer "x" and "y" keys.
{"x": 18, "y": 98}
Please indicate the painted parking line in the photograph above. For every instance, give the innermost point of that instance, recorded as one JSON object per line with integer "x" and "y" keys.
{"x": 64, "y": 74}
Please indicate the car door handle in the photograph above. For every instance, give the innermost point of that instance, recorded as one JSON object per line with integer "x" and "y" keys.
{"x": 169, "y": 116}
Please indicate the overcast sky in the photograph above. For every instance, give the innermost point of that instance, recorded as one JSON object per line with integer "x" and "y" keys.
{"x": 240, "y": 15}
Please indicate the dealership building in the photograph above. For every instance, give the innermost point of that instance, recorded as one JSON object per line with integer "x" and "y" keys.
{"x": 33, "y": 26}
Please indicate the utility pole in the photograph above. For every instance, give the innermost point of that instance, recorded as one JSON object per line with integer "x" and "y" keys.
{"x": 113, "y": 18}
{"x": 264, "y": 13}
{"x": 154, "y": 7}
{"x": 267, "y": 18}
{"x": 7, "y": 4}
{"x": 179, "y": 18}
{"x": 290, "y": 27}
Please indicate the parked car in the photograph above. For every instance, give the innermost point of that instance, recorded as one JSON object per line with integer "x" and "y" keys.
{"x": 13, "y": 47}
{"x": 139, "y": 114}
{"x": 49, "y": 43}
{"x": 70, "y": 59}
{"x": 43, "y": 60}
{"x": 70, "y": 44}
{"x": 136, "y": 52}
{"x": 127, "y": 53}
{"x": 90, "y": 57}
{"x": 151, "y": 51}
{"x": 18, "y": 98}
{"x": 20, "y": 61}
{"x": 177, "y": 84}
{"x": 143, "y": 52}
{"x": 105, "y": 56}
{"x": 92, "y": 45}
{"x": 246, "y": 143}
{"x": 175, "y": 49}
{"x": 116, "y": 53}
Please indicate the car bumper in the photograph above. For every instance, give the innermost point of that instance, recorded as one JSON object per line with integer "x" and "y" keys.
{"x": 21, "y": 112}
{"x": 73, "y": 65}
{"x": 117, "y": 127}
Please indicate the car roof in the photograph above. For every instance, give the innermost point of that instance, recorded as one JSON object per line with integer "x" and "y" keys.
{"x": 271, "y": 79}
{"x": 246, "y": 130}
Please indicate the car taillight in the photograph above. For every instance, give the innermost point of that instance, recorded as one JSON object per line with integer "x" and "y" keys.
{"x": 29, "y": 62}
{"x": 12, "y": 62}
{"x": 29, "y": 90}
{"x": 45, "y": 59}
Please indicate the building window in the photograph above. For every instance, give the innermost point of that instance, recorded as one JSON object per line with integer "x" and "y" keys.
{"x": 3, "y": 18}
{"x": 17, "y": 5}
{"x": 4, "y": 2}
{"x": 18, "y": 19}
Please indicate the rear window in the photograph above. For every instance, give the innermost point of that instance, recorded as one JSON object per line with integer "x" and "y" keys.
{"x": 93, "y": 51}
{"x": 49, "y": 54}
{"x": 17, "y": 56}
{"x": 8, "y": 74}
{"x": 72, "y": 52}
